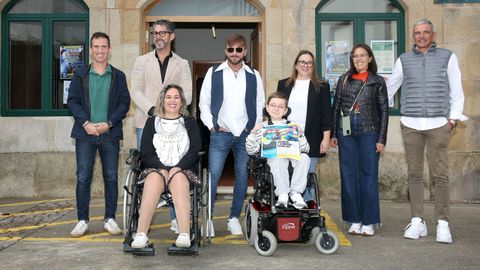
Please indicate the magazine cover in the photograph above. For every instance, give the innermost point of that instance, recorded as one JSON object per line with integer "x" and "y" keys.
{"x": 70, "y": 58}
{"x": 280, "y": 141}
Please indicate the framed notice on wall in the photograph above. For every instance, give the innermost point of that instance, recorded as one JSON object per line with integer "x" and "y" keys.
{"x": 70, "y": 58}
{"x": 384, "y": 55}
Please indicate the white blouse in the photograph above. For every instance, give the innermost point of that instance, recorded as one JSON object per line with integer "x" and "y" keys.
{"x": 171, "y": 140}
{"x": 298, "y": 101}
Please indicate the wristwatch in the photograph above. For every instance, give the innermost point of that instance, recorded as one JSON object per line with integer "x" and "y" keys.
{"x": 110, "y": 125}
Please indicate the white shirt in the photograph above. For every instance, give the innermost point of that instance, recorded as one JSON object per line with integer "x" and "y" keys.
{"x": 298, "y": 102}
{"x": 233, "y": 112}
{"x": 456, "y": 96}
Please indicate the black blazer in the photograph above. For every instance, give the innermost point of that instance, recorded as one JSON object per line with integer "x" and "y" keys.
{"x": 319, "y": 113}
{"x": 188, "y": 161}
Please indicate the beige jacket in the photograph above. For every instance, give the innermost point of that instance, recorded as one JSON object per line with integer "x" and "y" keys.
{"x": 145, "y": 83}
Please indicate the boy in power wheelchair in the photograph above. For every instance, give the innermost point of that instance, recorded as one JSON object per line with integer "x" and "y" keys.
{"x": 169, "y": 158}
{"x": 290, "y": 218}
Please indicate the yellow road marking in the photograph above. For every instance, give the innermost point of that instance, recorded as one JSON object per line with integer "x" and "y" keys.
{"x": 332, "y": 226}
{"x": 99, "y": 237}
{"x": 36, "y": 202}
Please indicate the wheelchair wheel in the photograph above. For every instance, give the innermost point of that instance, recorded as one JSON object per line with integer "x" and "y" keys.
{"x": 127, "y": 199}
{"x": 326, "y": 243}
{"x": 134, "y": 210}
{"x": 313, "y": 235}
{"x": 267, "y": 244}
{"x": 250, "y": 224}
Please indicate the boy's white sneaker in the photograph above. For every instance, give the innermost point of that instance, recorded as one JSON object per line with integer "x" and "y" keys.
{"x": 298, "y": 201}
{"x": 443, "y": 232}
{"x": 140, "y": 240}
{"x": 416, "y": 229}
{"x": 234, "y": 226}
{"x": 183, "y": 240}
{"x": 282, "y": 200}
{"x": 80, "y": 229}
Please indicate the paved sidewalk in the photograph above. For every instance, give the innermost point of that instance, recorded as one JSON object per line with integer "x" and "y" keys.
{"x": 34, "y": 234}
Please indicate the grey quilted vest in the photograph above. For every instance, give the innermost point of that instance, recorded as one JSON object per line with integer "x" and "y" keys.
{"x": 425, "y": 87}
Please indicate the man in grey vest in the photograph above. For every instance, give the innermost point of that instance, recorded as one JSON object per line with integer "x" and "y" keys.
{"x": 431, "y": 102}
{"x": 231, "y": 103}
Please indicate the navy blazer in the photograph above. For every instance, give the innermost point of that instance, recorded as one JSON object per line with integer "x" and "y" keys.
{"x": 79, "y": 103}
{"x": 319, "y": 113}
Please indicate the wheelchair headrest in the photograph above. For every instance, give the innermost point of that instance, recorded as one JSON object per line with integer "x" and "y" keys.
{"x": 285, "y": 116}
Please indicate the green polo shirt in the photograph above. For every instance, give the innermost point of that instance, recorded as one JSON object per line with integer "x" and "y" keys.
{"x": 99, "y": 89}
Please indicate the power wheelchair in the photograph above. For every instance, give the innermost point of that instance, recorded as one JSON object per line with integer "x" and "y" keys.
{"x": 131, "y": 210}
{"x": 266, "y": 224}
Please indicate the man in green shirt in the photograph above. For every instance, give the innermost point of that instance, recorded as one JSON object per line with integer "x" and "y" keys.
{"x": 99, "y": 100}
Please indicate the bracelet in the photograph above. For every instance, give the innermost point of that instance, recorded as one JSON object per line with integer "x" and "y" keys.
{"x": 86, "y": 123}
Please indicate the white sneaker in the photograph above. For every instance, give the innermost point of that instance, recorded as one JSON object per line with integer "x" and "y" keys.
{"x": 282, "y": 200}
{"x": 416, "y": 229}
{"x": 355, "y": 229}
{"x": 298, "y": 201}
{"x": 174, "y": 226}
{"x": 140, "y": 240}
{"x": 234, "y": 226}
{"x": 111, "y": 227}
{"x": 80, "y": 229}
{"x": 443, "y": 232}
{"x": 367, "y": 230}
{"x": 183, "y": 240}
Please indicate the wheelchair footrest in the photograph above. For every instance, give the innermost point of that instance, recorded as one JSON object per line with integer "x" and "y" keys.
{"x": 146, "y": 251}
{"x": 174, "y": 250}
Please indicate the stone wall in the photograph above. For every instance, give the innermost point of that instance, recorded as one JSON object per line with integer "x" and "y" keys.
{"x": 37, "y": 155}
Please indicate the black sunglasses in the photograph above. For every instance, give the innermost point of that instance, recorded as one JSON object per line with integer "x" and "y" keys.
{"x": 239, "y": 50}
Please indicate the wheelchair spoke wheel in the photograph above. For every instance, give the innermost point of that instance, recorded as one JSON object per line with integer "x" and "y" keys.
{"x": 267, "y": 244}
{"x": 327, "y": 243}
{"x": 250, "y": 224}
{"x": 127, "y": 199}
{"x": 134, "y": 211}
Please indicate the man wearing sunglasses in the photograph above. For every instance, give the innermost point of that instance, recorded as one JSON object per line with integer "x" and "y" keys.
{"x": 231, "y": 103}
{"x": 154, "y": 70}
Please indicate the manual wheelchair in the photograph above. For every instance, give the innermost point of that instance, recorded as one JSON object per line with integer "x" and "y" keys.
{"x": 131, "y": 210}
{"x": 266, "y": 224}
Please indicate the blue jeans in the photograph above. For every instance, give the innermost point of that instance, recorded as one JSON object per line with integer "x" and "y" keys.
{"x": 359, "y": 174}
{"x": 139, "y": 142}
{"x": 220, "y": 145}
{"x": 85, "y": 153}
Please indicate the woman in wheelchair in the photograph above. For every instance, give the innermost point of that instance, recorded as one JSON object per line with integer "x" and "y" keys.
{"x": 169, "y": 146}
{"x": 277, "y": 112}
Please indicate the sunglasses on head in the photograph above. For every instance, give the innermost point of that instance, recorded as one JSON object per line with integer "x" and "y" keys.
{"x": 239, "y": 50}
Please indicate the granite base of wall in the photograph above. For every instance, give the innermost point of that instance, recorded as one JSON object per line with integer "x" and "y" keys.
{"x": 464, "y": 175}
{"x": 48, "y": 175}
{"x": 53, "y": 175}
